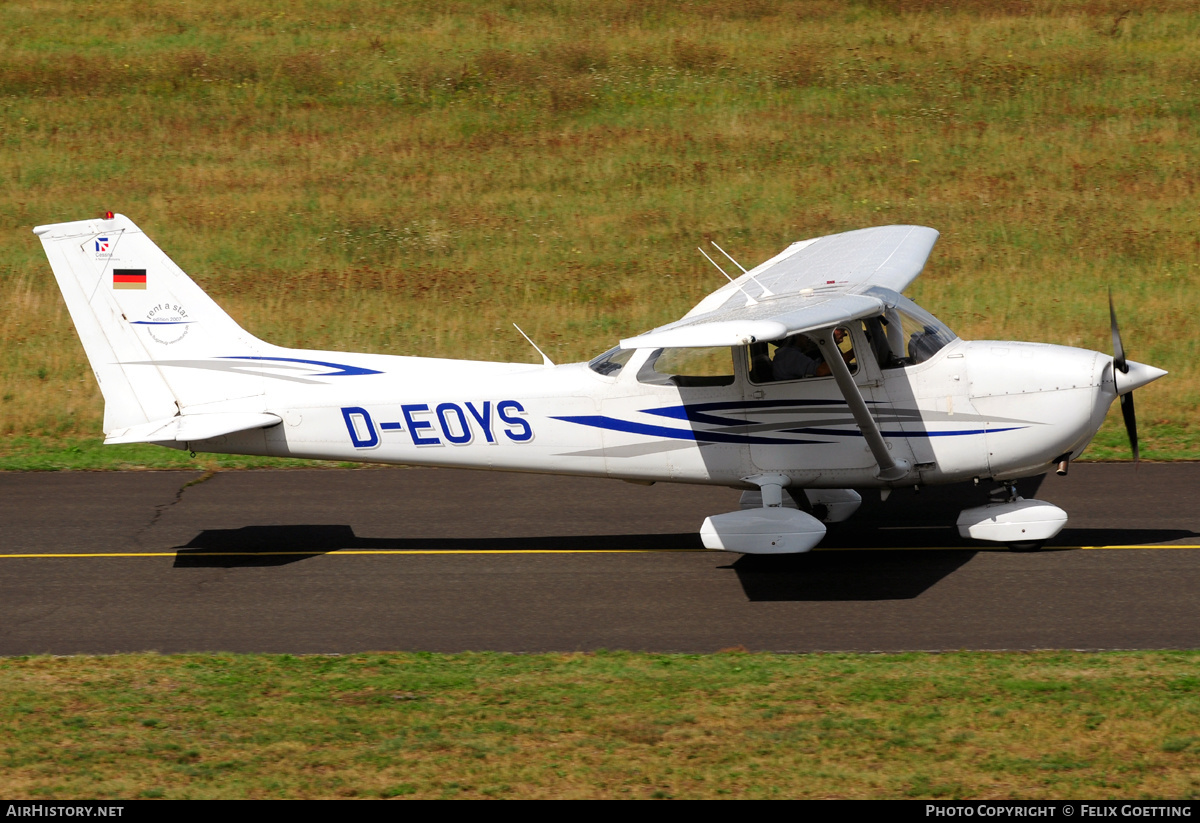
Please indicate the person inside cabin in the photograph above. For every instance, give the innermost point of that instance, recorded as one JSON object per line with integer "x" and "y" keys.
{"x": 798, "y": 357}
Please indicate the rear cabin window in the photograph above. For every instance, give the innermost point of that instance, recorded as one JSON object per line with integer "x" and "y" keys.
{"x": 692, "y": 367}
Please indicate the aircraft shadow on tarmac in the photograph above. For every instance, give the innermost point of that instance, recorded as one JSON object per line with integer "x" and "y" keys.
{"x": 846, "y": 575}
{"x": 280, "y": 545}
{"x": 1072, "y": 538}
{"x": 883, "y": 573}
{"x": 850, "y": 575}
{"x": 870, "y": 567}
{"x": 919, "y": 519}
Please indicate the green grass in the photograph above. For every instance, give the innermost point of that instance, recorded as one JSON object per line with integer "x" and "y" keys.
{"x": 605, "y": 725}
{"x": 26, "y": 453}
{"x": 411, "y": 179}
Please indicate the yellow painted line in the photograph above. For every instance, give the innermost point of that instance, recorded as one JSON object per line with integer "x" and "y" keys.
{"x": 1000, "y": 547}
{"x": 349, "y": 551}
{"x": 185, "y": 554}
{"x": 1146, "y": 546}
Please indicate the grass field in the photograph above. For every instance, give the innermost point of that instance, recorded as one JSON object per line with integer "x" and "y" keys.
{"x": 411, "y": 178}
{"x": 609, "y": 725}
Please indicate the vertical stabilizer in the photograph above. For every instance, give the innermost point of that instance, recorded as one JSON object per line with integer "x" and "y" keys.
{"x": 139, "y": 317}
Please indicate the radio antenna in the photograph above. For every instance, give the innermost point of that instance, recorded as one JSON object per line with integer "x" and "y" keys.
{"x": 749, "y": 296}
{"x": 546, "y": 361}
{"x": 766, "y": 292}
{"x": 731, "y": 260}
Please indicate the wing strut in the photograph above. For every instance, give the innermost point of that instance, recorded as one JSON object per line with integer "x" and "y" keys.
{"x": 890, "y": 469}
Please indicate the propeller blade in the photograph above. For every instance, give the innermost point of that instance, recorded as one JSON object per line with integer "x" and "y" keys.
{"x": 1118, "y": 349}
{"x": 1130, "y": 422}
{"x": 1120, "y": 364}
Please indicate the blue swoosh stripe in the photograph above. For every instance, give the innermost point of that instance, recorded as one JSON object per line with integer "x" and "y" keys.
{"x": 613, "y": 424}
{"x": 698, "y": 412}
{"x": 689, "y": 411}
{"x": 341, "y": 370}
{"x": 839, "y": 433}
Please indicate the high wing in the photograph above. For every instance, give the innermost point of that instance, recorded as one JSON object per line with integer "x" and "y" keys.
{"x": 810, "y": 285}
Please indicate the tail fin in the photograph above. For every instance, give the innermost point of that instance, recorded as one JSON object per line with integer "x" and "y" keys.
{"x": 139, "y": 316}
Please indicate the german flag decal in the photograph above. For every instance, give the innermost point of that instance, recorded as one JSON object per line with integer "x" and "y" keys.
{"x": 129, "y": 279}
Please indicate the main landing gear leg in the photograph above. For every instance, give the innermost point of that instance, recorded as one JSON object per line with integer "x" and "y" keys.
{"x": 771, "y": 529}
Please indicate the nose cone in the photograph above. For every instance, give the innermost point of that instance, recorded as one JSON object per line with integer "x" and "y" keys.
{"x": 1139, "y": 374}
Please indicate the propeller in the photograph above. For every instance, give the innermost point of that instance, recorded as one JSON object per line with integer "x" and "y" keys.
{"x": 1120, "y": 364}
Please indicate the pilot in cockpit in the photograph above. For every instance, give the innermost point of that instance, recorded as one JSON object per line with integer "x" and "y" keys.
{"x": 799, "y": 357}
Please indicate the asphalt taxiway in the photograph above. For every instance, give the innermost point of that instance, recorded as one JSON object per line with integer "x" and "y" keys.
{"x": 327, "y": 561}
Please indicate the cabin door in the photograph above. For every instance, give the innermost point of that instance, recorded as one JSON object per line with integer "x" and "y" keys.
{"x": 800, "y": 423}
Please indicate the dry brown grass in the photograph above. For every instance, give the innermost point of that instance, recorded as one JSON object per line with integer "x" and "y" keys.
{"x": 411, "y": 179}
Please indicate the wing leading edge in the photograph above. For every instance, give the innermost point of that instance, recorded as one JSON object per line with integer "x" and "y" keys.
{"x": 810, "y": 285}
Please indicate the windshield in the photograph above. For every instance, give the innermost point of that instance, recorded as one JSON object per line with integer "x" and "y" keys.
{"x": 611, "y": 362}
{"x": 905, "y": 334}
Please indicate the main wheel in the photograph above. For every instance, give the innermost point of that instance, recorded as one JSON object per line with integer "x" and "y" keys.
{"x": 1025, "y": 546}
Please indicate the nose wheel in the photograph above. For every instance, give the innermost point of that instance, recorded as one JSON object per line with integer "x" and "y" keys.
{"x": 1022, "y": 525}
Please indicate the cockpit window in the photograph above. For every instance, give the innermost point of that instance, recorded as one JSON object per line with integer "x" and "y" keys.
{"x": 691, "y": 367}
{"x": 906, "y": 334}
{"x": 797, "y": 357}
{"x": 611, "y": 362}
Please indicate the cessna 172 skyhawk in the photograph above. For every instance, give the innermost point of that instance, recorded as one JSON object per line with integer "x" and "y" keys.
{"x": 802, "y": 380}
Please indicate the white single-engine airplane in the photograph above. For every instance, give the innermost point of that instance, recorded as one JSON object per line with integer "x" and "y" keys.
{"x": 802, "y": 380}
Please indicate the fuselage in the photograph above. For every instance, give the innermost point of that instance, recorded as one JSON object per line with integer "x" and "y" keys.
{"x": 810, "y": 371}
{"x": 984, "y": 409}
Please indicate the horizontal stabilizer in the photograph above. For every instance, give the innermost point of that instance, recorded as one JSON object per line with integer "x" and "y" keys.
{"x": 190, "y": 428}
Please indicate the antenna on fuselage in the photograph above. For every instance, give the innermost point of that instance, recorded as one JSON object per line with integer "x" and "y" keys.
{"x": 766, "y": 292}
{"x": 749, "y": 296}
{"x": 546, "y": 361}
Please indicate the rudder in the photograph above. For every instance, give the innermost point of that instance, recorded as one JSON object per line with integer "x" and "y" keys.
{"x": 139, "y": 316}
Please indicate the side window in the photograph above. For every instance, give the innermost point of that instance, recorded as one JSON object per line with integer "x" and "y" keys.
{"x": 797, "y": 358}
{"x": 690, "y": 367}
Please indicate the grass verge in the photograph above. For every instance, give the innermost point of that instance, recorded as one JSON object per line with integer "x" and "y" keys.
{"x": 611, "y": 724}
